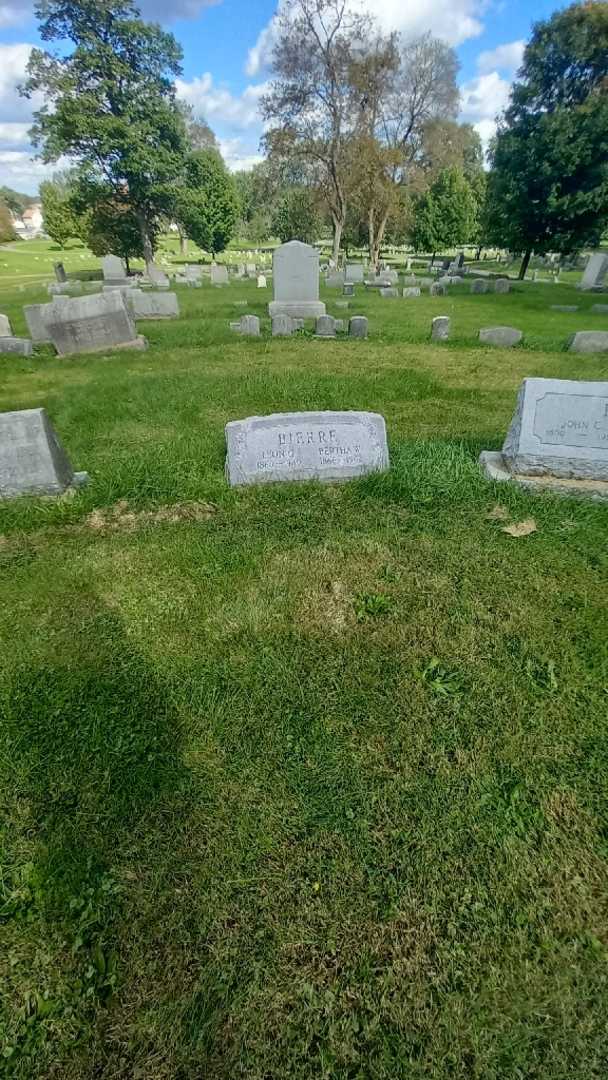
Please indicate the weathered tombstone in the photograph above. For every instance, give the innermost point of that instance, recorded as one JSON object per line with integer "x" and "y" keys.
{"x": 438, "y": 289}
{"x": 503, "y": 336}
{"x": 353, "y": 274}
{"x": 565, "y": 307}
{"x": 251, "y": 270}
{"x": 261, "y": 281}
{"x": 60, "y": 273}
{"x": 91, "y": 324}
{"x": 32, "y": 460}
{"x": 358, "y": 326}
{"x": 342, "y": 303}
{"x": 589, "y": 341}
{"x": 339, "y": 326}
{"x": 296, "y": 281}
{"x": 247, "y": 326}
{"x": 479, "y": 286}
{"x": 219, "y": 275}
{"x": 388, "y": 292}
{"x": 114, "y": 272}
{"x": 595, "y": 271}
{"x": 64, "y": 288}
{"x": 305, "y": 446}
{"x": 440, "y": 328}
{"x": 19, "y": 346}
{"x": 325, "y": 327}
{"x": 389, "y": 277}
{"x": 5, "y": 326}
{"x": 424, "y": 282}
{"x": 195, "y": 273}
{"x": 409, "y": 292}
{"x": 559, "y": 433}
{"x": 153, "y": 305}
{"x": 502, "y": 285}
{"x": 282, "y": 326}
{"x": 335, "y": 280}
{"x": 158, "y": 277}
{"x": 410, "y": 281}
{"x": 599, "y": 309}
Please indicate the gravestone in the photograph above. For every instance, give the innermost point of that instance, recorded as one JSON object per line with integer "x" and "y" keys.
{"x": 283, "y": 325}
{"x": 565, "y": 307}
{"x": 335, "y": 280}
{"x": 353, "y": 274}
{"x": 339, "y": 326}
{"x": 114, "y": 272}
{"x": 503, "y": 336}
{"x": 247, "y": 326}
{"x": 438, "y": 289}
{"x": 261, "y": 281}
{"x": 409, "y": 292}
{"x": 195, "y": 273}
{"x": 157, "y": 276}
{"x": 219, "y": 275}
{"x": 595, "y": 271}
{"x": 388, "y": 292}
{"x": 388, "y": 277}
{"x": 479, "y": 286}
{"x": 19, "y": 346}
{"x": 91, "y": 324}
{"x": 559, "y": 434}
{"x": 64, "y": 288}
{"x": 305, "y": 446}
{"x": 410, "y": 281}
{"x": 5, "y": 326}
{"x": 358, "y": 326}
{"x": 32, "y": 460}
{"x": 502, "y": 286}
{"x": 60, "y": 273}
{"x": 599, "y": 309}
{"x": 440, "y": 328}
{"x": 342, "y": 303}
{"x": 251, "y": 270}
{"x": 153, "y": 305}
{"x": 325, "y": 327}
{"x": 296, "y": 281}
{"x": 35, "y": 317}
{"x": 589, "y": 341}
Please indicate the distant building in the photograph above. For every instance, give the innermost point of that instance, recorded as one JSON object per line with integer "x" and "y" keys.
{"x": 31, "y": 222}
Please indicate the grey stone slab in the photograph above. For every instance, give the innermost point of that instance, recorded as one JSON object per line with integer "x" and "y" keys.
{"x": 305, "y": 446}
{"x": 296, "y": 281}
{"x": 599, "y": 309}
{"x": 358, "y": 326}
{"x": 325, "y": 327}
{"x": 153, "y": 305}
{"x": 411, "y": 291}
{"x": 440, "y": 328}
{"x": 247, "y": 326}
{"x": 32, "y": 460}
{"x": 251, "y": 269}
{"x": 496, "y": 468}
{"x": 595, "y": 271}
{"x": 19, "y": 346}
{"x": 589, "y": 341}
{"x": 438, "y": 289}
{"x": 503, "y": 336}
{"x": 36, "y": 319}
{"x": 5, "y": 326}
{"x": 335, "y": 280}
{"x": 91, "y": 324}
{"x": 560, "y": 427}
{"x": 564, "y": 307}
{"x": 348, "y": 289}
{"x": 113, "y": 269}
{"x": 502, "y": 286}
{"x": 157, "y": 276}
{"x": 219, "y": 275}
{"x": 262, "y": 283}
{"x": 60, "y": 273}
{"x": 479, "y": 287}
{"x": 389, "y": 292}
{"x": 354, "y": 274}
{"x": 410, "y": 281}
{"x": 282, "y": 325}
{"x": 64, "y": 288}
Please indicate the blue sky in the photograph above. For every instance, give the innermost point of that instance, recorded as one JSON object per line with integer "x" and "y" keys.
{"x": 226, "y": 47}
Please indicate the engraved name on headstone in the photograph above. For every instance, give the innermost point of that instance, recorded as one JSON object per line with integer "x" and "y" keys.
{"x": 92, "y": 323}
{"x": 305, "y": 446}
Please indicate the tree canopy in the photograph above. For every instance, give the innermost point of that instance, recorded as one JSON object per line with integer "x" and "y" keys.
{"x": 207, "y": 205}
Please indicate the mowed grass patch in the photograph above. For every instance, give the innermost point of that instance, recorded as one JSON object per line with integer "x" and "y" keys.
{"x": 310, "y": 781}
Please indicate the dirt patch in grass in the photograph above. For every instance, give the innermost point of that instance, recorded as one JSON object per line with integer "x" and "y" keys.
{"x": 120, "y": 518}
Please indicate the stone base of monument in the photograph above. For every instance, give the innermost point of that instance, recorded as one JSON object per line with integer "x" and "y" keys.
{"x": 496, "y": 468}
{"x": 297, "y": 309}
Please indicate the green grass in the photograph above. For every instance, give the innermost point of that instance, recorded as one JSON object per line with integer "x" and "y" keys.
{"x": 302, "y": 781}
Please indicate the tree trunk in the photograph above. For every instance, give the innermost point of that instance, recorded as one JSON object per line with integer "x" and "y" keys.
{"x": 524, "y": 265}
{"x": 146, "y": 243}
{"x": 338, "y": 226}
{"x": 379, "y": 237}
{"x": 371, "y": 242}
{"x": 127, "y": 265}
{"x": 183, "y": 244}
{"x": 478, "y": 255}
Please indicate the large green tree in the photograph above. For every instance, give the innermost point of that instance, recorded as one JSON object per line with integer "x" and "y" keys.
{"x": 446, "y": 215}
{"x": 109, "y": 104}
{"x": 548, "y": 185}
{"x": 207, "y": 206}
{"x": 296, "y": 217}
{"x": 58, "y": 213}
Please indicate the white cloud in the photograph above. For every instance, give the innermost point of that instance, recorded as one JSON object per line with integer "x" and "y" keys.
{"x": 218, "y": 104}
{"x": 14, "y": 134}
{"x": 237, "y": 156}
{"x": 13, "y": 14}
{"x": 503, "y": 58}
{"x": 13, "y": 62}
{"x": 454, "y": 21}
{"x": 484, "y": 97}
{"x": 20, "y": 172}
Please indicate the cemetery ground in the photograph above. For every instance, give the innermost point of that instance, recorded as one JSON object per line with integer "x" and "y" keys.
{"x": 300, "y": 780}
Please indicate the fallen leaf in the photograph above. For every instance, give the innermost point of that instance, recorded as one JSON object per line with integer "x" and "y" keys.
{"x": 521, "y": 528}
{"x": 499, "y": 513}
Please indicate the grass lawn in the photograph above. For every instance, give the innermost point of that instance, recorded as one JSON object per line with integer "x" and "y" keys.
{"x": 302, "y": 781}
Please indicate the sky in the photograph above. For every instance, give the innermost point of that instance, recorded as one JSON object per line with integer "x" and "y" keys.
{"x": 227, "y": 46}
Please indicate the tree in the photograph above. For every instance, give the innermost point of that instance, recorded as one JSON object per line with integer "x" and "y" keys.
{"x": 58, "y": 213}
{"x": 207, "y": 206}
{"x": 198, "y": 133}
{"x": 110, "y": 104}
{"x": 296, "y": 217}
{"x": 7, "y": 232}
{"x": 548, "y": 185}
{"x": 446, "y": 216}
{"x": 310, "y": 105}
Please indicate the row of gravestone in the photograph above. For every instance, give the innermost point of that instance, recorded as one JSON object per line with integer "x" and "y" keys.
{"x": 286, "y": 325}
{"x": 558, "y": 439}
